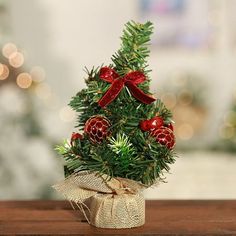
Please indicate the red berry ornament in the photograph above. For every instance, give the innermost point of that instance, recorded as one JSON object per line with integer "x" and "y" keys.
{"x": 156, "y": 122}
{"x": 97, "y": 128}
{"x": 164, "y": 136}
{"x": 107, "y": 74}
{"x": 145, "y": 125}
{"x": 151, "y": 124}
{"x": 75, "y": 136}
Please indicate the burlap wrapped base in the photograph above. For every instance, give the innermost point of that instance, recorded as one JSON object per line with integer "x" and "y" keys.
{"x": 114, "y": 203}
{"x": 117, "y": 211}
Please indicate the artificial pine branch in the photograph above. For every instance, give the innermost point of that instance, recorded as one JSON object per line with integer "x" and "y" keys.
{"x": 129, "y": 152}
{"x": 134, "y": 51}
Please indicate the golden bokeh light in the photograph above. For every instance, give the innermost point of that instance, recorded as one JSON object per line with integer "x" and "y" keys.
{"x": 230, "y": 118}
{"x": 185, "y": 97}
{"x": 16, "y": 59}
{"x": 43, "y": 91}
{"x": 179, "y": 78}
{"x": 169, "y": 100}
{"x": 226, "y": 131}
{"x": 37, "y": 73}
{"x": 9, "y": 49}
{"x": 24, "y": 80}
{"x": 4, "y": 72}
{"x": 1, "y": 69}
{"x": 66, "y": 114}
{"x": 185, "y": 131}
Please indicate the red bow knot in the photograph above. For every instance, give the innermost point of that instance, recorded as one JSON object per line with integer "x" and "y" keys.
{"x": 131, "y": 80}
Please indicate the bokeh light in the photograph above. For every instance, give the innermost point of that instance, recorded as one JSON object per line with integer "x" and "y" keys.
{"x": 226, "y": 131}
{"x": 24, "y": 80}
{"x": 179, "y": 78}
{"x": 16, "y": 59}
{"x": 185, "y": 131}
{"x": 1, "y": 68}
{"x": 37, "y": 73}
{"x": 185, "y": 97}
{"x": 230, "y": 118}
{"x": 169, "y": 99}
{"x": 66, "y": 114}
{"x": 4, "y": 72}
{"x": 43, "y": 91}
{"x": 9, "y": 49}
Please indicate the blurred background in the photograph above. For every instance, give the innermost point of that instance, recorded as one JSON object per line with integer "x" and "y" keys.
{"x": 44, "y": 47}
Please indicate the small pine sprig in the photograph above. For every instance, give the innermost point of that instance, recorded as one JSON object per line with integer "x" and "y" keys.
{"x": 161, "y": 110}
{"x": 63, "y": 148}
{"x": 70, "y": 155}
{"x": 134, "y": 51}
{"x": 125, "y": 156}
{"x": 121, "y": 145}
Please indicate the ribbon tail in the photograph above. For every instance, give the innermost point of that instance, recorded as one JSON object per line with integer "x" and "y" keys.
{"x": 111, "y": 93}
{"x": 139, "y": 94}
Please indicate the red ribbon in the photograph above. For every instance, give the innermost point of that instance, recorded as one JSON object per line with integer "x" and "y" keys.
{"x": 131, "y": 80}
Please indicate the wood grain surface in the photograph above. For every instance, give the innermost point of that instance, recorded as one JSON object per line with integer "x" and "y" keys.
{"x": 163, "y": 217}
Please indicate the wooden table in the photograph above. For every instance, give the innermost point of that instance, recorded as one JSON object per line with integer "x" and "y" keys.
{"x": 162, "y": 218}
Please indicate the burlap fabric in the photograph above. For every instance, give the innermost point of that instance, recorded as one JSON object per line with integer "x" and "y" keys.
{"x": 114, "y": 203}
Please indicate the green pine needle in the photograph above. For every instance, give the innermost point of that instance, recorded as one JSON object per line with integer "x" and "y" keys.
{"x": 121, "y": 145}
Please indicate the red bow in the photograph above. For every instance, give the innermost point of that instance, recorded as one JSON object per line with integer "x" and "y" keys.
{"x": 131, "y": 80}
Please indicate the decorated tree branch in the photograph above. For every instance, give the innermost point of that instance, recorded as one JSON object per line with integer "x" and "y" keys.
{"x": 125, "y": 138}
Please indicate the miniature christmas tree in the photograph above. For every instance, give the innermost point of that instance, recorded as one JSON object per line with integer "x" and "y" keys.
{"x": 127, "y": 139}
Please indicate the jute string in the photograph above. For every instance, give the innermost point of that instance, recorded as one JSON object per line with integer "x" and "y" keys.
{"x": 114, "y": 203}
